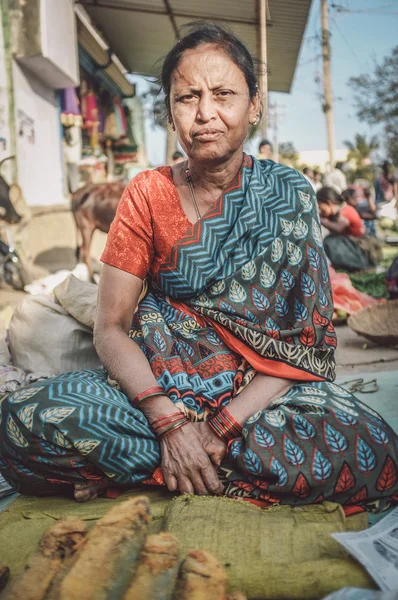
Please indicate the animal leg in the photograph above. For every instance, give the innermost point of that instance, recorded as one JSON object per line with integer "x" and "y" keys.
{"x": 86, "y": 229}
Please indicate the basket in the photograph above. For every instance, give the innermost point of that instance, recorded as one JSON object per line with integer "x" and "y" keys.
{"x": 378, "y": 323}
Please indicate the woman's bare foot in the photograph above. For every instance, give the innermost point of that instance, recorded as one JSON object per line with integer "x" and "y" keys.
{"x": 88, "y": 491}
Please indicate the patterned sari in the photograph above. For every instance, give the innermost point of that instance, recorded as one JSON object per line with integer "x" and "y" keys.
{"x": 245, "y": 290}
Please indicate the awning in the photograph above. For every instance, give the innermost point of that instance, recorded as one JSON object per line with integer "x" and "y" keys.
{"x": 141, "y": 32}
{"x": 97, "y": 58}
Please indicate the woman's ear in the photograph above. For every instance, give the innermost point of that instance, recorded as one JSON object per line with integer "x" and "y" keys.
{"x": 255, "y": 109}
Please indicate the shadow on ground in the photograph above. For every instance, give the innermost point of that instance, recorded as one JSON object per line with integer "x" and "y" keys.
{"x": 60, "y": 257}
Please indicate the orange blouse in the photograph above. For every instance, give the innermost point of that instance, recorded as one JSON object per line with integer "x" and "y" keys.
{"x": 149, "y": 221}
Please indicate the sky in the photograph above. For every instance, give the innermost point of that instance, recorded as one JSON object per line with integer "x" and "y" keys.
{"x": 358, "y": 39}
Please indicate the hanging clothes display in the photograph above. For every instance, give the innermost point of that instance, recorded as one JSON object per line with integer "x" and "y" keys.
{"x": 90, "y": 114}
{"x": 115, "y": 122}
{"x": 70, "y": 108}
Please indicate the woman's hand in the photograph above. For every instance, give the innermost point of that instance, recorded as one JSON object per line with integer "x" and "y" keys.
{"x": 185, "y": 464}
{"x": 212, "y": 445}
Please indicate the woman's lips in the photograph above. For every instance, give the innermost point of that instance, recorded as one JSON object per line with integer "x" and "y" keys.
{"x": 207, "y": 136}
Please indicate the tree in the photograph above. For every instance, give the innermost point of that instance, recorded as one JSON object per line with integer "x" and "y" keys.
{"x": 155, "y": 102}
{"x": 376, "y": 99}
{"x": 359, "y": 153}
{"x": 288, "y": 154}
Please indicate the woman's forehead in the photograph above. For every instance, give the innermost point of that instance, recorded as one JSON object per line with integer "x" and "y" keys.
{"x": 209, "y": 62}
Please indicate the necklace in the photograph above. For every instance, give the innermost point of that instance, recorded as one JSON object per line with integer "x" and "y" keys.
{"x": 188, "y": 178}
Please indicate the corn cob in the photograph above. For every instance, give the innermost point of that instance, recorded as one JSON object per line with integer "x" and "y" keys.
{"x": 109, "y": 558}
{"x": 157, "y": 570}
{"x": 201, "y": 578}
{"x": 60, "y": 542}
{"x": 4, "y": 576}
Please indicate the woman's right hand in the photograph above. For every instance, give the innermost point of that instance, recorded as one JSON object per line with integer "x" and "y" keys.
{"x": 185, "y": 464}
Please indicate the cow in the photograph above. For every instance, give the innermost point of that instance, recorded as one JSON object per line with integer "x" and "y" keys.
{"x": 7, "y": 211}
{"x": 94, "y": 207}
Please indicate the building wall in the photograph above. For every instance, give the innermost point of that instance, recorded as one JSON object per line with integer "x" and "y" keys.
{"x": 4, "y": 115}
{"x": 59, "y": 38}
{"x": 320, "y": 158}
{"x": 39, "y": 150}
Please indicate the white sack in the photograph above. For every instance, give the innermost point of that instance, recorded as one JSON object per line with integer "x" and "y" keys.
{"x": 45, "y": 339}
{"x": 78, "y": 298}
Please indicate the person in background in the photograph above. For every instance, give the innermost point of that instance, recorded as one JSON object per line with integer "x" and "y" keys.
{"x": 309, "y": 175}
{"x": 178, "y": 157}
{"x": 350, "y": 197}
{"x": 317, "y": 180}
{"x": 264, "y": 150}
{"x": 386, "y": 186}
{"x": 365, "y": 209}
{"x": 347, "y": 246}
{"x": 336, "y": 178}
{"x": 337, "y": 215}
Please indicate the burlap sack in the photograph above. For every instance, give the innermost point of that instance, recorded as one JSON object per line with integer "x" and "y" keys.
{"x": 78, "y": 298}
{"x": 46, "y": 339}
{"x": 278, "y": 553}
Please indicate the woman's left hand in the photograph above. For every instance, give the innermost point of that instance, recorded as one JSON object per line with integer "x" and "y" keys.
{"x": 212, "y": 445}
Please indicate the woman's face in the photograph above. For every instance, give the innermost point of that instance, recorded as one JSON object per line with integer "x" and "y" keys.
{"x": 210, "y": 104}
{"x": 326, "y": 210}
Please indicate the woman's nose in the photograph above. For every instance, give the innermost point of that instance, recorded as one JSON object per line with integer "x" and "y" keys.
{"x": 206, "y": 108}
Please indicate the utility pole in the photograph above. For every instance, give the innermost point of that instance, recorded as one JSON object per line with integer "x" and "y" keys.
{"x": 263, "y": 58}
{"x": 327, "y": 81}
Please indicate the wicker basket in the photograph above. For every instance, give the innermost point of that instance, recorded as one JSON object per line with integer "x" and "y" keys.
{"x": 378, "y": 323}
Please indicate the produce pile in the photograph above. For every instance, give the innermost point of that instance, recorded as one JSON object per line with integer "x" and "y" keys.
{"x": 116, "y": 559}
{"x": 347, "y": 299}
{"x": 373, "y": 284}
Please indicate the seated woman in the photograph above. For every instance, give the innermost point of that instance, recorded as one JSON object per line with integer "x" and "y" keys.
{"x": 214, "y": 323}
{"x": 347, "y": 246}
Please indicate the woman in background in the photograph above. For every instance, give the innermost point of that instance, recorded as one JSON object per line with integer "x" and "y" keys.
{"x": 347, "y": 246}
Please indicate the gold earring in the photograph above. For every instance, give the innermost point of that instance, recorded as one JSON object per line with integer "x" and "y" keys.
{"x": 256, "y": 121}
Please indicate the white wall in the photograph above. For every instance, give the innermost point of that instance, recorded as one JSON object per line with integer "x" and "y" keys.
{"x": 59, "y": 40}
{"x": 320, "y": 158}
{"x": 4, "y": 119}
{"x": 40, "y": 166}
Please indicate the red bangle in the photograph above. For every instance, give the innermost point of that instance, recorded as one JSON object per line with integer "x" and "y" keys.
{"x": 169, "y": 427}
{"x": 154, "y": 391}
{"x": 170, "y": 417}
{"x": 225, "y": 426}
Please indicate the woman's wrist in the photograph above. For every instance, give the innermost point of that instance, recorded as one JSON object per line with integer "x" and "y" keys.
{"x": 225, "y": 426}
{"x": 157, "y": 406}
{"x": 168, "y": 424}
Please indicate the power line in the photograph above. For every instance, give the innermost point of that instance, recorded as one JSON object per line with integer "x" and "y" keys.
{"x": 347, "y": 42}
{"x": 373, "y": 11}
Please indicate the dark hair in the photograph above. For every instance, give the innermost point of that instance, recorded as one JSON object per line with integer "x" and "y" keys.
{"x": 208, "y": 33}
{"x": 339, "y": 165}
{"x": 348, "y": 194}
{"x": 387, "y": 168}
{"x": 306, "y": 169}
{"x": 328, "y": 195}
{"x": 264, "y": 143}
{"x": 177, "y": 154}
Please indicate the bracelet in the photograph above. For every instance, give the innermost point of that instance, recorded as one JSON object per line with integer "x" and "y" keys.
{"x": 154, "y": 391}
{"x": 172, "y": 417}
{"x": 225, "y": 426}
{"x": 164, "y": 430}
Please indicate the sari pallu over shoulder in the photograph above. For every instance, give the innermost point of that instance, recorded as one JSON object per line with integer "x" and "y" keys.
{"x": 255, "y": 270}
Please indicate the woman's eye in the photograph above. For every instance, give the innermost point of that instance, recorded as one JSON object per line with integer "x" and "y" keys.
{"x": 186, "y": 98}
{"x": 223, "y": 93}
